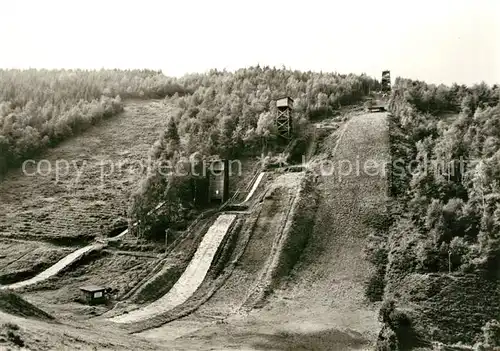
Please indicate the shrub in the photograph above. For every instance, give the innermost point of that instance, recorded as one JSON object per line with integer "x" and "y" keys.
{"x": 491, "y": 334}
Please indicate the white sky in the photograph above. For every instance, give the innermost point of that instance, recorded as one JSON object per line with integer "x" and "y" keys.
{"x": 436, "y": 41}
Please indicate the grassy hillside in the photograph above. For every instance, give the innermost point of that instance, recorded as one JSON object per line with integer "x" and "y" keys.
{"x": 40, "y": 108}
{"x": 13, "y": 304}
{"x": 90, "y": 197}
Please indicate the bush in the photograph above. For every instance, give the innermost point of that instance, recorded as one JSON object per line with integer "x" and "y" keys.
{"x": 401, "y": 336}
{"x": 10, "y": 330}
{"x": 491, "y": 334}
{"x": 375, "y": 286}
{"x": 387, "y": 340}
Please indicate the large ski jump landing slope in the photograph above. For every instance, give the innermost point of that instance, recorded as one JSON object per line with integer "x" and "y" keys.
{"x": 324, "y": 300}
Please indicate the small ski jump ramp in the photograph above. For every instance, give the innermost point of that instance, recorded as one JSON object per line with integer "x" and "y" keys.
{"x": 54, "y": 269}
{"x": 254, "y": 187}
{"x": 192, "y": 277}
{"x": 67, "y": 260}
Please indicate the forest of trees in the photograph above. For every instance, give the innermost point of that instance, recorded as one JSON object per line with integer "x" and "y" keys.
{"x": 451, "y": 201}
{"x": 40, "y": 108}
{"x": 231, "y": 112}
{"x": 218, "y": 113}
{"x": 445, "y": 209}
{"x": 429, "y": 98}
{"x": 232, "y": 115}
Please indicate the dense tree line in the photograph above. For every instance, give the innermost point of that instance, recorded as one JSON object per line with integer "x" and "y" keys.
{"x": 40, "y": 108}
{"x": 445, "y": 212}
{"x": 231, "y": 112}
{"x": 233, "y": 115}
{"x": 451, "y": 198}
{"x": 437, "y": 99}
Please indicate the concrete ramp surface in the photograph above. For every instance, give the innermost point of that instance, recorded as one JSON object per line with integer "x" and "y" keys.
{"x": 54, "y": 269}
{"x": 192, "y": 277}
{"x": 254, "y": 187}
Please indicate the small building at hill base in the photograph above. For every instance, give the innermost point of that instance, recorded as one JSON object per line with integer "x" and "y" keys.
{"x": 94, "y": 294}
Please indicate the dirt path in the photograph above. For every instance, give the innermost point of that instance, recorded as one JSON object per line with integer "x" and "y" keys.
{"x": 323, "y": 305}
{"x": 192, "y": 277}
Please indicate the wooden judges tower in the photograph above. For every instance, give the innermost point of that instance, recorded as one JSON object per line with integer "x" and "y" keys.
{"x": 284, "y": 117}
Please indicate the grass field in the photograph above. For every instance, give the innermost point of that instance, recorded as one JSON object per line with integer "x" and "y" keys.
{"x": 87, "y": 201}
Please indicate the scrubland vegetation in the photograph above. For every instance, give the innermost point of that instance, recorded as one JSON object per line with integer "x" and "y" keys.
{"x": 442, "y": 252}
{"x": 40, "y": 108}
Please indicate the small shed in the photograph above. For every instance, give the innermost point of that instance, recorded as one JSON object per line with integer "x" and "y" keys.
{"x": 94, "y": 294}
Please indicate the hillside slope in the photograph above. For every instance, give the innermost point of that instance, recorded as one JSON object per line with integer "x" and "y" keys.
{"x": 327, "y": 293}
{"x": 333, "y": 265}
{"x": 322, "y": 306}
{"x": 15, "y": 305}
{"x": 38, "y": 207}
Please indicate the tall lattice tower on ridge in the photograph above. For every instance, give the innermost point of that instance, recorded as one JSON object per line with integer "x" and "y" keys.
{"x": 284, "y": 117}
{"x": 386, "y": 81}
